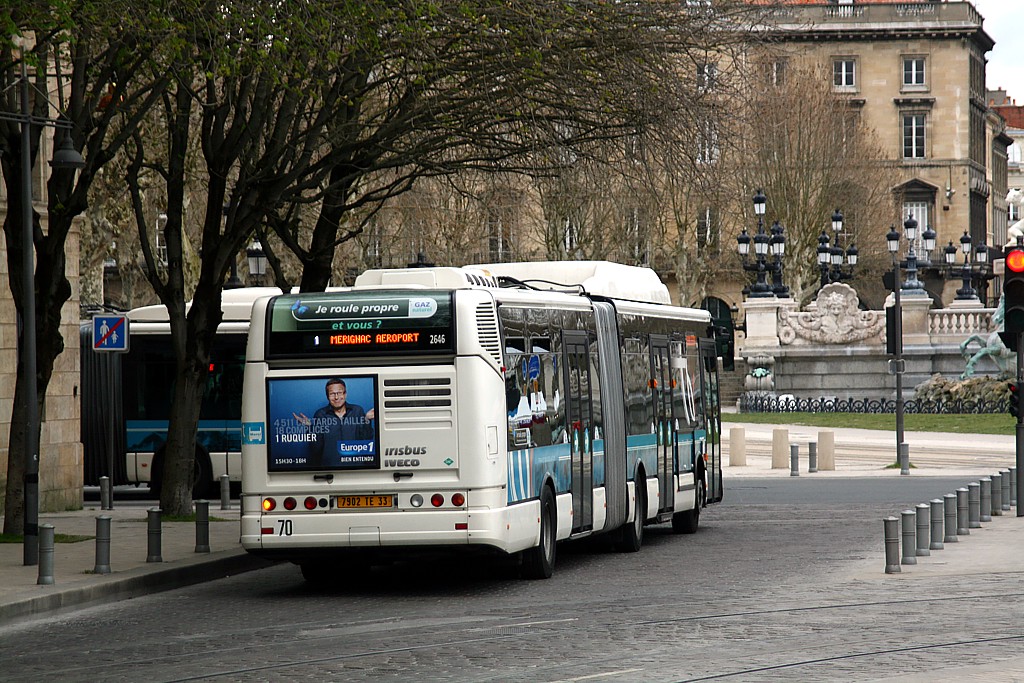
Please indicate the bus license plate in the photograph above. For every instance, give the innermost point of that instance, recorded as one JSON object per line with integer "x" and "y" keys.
{"x": 366, "y": 501}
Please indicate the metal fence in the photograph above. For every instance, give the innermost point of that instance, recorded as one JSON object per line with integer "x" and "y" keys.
{"x": 754, "y": 402}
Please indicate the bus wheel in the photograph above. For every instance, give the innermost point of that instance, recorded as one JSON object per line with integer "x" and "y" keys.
{"x": 203, "y": 472}
{"x": 317, "y": 573}
{"x": 633, "y": 535}
{"x": 686, "y": 522}
{"x": 539, "y": 562}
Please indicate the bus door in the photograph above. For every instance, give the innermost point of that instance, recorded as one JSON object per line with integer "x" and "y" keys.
{"x": 579, "y": 417}
{"x": 713, "y": 417}
{"x": 661, "y": 386}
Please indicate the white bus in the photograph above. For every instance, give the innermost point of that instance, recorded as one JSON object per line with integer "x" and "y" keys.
{"x": 503, "y": 407}
{"x": 132, "y": 392}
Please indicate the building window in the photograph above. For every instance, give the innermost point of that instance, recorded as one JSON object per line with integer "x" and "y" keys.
{"x": 913, "y": 72}
{"x": 1013, "y": 213}
{"x": 844, "y": 73}
{"x": 707, "y": 143}
{"x": 913, "y": 136}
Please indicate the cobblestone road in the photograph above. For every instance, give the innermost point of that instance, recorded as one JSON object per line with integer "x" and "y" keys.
{"x": 764, "y": 591}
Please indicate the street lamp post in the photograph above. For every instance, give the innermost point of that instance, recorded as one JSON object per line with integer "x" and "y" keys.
{"x": 830, "y": 258}
{"x": 65, "y": 157}
{"x": 257, "y": 261}
{"x": 765, "y": 245}
{"x": 968, "y": 270}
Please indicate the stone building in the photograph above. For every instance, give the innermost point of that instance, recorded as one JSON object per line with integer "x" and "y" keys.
{"x": 915, "y": 72}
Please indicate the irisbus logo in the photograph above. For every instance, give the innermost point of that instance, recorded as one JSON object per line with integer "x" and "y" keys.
{"x": 403, "y": 451}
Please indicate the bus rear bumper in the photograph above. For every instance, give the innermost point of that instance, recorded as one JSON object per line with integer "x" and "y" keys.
{"x": 508, "y": 529}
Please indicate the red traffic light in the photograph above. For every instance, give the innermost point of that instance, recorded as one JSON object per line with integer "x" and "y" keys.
{"x": 1015, "y": 260}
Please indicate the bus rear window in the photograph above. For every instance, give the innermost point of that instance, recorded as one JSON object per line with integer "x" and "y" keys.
{"x": 360, "y": 323}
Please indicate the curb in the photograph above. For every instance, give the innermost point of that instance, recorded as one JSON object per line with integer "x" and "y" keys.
{"x": 134, "y": 583}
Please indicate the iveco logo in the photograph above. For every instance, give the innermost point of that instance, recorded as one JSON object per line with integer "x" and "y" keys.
{"x": 404, "y": 450}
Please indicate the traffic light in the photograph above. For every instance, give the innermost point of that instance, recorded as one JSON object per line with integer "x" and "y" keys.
{"x": 1014, "y": 399}
{"x": 1013, "y": 297}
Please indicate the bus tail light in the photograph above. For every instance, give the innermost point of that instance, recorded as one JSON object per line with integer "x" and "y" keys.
{"x": 416, "y": 500}
{"x": 289, "y": 503}
{"x": 458, "y": 500}
{"x": 462, "y": 526}
{"x": 310, "y": 503}
{"x": 269, "y": 504}
{"x": 437, "y": 500}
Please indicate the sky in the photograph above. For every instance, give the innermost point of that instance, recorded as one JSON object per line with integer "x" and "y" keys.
{"x": 1004, "y": 22}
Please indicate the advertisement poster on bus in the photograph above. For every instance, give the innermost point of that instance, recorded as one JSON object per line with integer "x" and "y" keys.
{"x": 318, "y": 423}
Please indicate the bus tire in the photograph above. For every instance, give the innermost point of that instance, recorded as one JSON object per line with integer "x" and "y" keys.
{"x": 633, "y": 533}
{"x": 539, "y": 562}
{"x": 687, "y": 522}
{"x": 203, "y": 470}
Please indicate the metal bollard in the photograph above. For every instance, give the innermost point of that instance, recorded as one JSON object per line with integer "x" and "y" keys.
{"x": 202, "y": 526}
{"x": 909, "y": 538}
{"x": 1013, "y": 485}
{"x": 949, "y": 507}
{"x": 153, "y": 521}
{"x": 812, "y": 457}
{"x": 974, "y": 505}
{"x": 936, "y": 506}
{"x": 922, "y": 530}
{"x": 962, "y": 516}
{"x": 997, "y": 493}
{"x": 904, "y": 455}
{"x": 986, "y": 500}
{"x": 794, "y": 460}
{"x": 45, "y": 555}
{"x": 1005, "y": 499}
{"x": 892, "y": 545}
{"x": 106, "y": 496}
{"x": 102, "y": 545}
{"x": 225, "y": 492}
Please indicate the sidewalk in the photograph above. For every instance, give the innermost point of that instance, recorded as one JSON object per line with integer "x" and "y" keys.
{"x": 859, "y": 453}
{"x": 76, "y": 585}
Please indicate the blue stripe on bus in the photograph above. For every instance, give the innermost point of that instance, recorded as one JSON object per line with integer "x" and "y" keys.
{"x": 213, "y": 435}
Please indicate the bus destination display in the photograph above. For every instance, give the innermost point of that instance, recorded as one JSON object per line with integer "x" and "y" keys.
{"x": 356, "y": 323}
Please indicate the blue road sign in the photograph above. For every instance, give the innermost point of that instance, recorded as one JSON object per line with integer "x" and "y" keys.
{"x": 110, "y": 333}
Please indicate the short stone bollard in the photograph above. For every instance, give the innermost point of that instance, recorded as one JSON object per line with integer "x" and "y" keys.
{"x": 937, "y": 513}
{"x": 202, "y": 526}
{"x": 974, "y": 505}
{"x": 794, "y": 460}
{"x": 986, "y": 500}
{"x": 812, "y": 457}
{"x": 737, "y": 447}
{"x": 106, "y": 495}
{"x": 962, "y": 512}
{"x": 996, "y": 495}
{"x": 153, "y": 534}
{"x": 45, "y": 555}
{"x": 922, "y": 530}
{"x": 892, "y": 545}
{"x": 1005, "y": 498}
{"x": 909, "y": 537}
{"x": 826, "y": 451}
{"x": 102, "y": 545}
{"x": 904, "y": 456}
{"x": 949, "y": 507}
{"x": 780, "y": 448}
{"x": 1012, "y": 469}
{"x": 225, "y": 492}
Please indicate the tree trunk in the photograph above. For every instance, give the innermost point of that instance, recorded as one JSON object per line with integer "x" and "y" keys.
{"x": 178, "y": 475}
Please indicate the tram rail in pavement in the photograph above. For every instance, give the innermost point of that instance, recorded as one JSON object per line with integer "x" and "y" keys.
{"x": 859, "y": 453}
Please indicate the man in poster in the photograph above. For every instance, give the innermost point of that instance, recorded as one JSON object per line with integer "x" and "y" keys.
{"x": 343, "y": 431}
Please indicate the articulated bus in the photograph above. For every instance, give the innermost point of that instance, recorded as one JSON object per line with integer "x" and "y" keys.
{"x": 501, "y": 407}
{"x": 127, "y": 398}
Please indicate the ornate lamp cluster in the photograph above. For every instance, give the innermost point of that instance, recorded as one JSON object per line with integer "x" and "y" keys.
{"x": 830, "y": 258}
{"x": 968, "y": 270}
{"x": 768, "y": 253}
